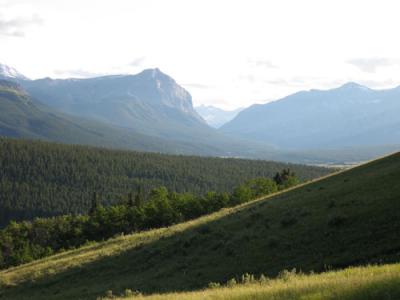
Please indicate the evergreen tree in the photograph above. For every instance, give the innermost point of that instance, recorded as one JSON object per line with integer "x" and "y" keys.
{"x": 131, "y": 201}
{"x": 139, "y": 197}
{"x": 95, "y": 204}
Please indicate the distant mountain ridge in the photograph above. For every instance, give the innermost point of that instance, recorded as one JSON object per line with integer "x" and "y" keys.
{"x": 216, "y": 117}
{"x": 144, "y": 112}
{"x": 149, "y": 111}
{"x": 351, "y": 115}
{"x": 150, "y": 102}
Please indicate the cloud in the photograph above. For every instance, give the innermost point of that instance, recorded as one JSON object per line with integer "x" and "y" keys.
{"x": 137, "y": 62}
{"x": 296, "y": 81}
{"x": 263, "y": 63}
{"x": 15, "y": 27}
{"x": 247, "y": 77}
{"x": 197, "y": 85}
{"x": 370, "y": 65}
{"x": 78, "y": 73}
{"x": 384, "y": 83}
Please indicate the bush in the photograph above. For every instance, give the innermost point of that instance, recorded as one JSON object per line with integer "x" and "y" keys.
{"x": 130, "y": 293}
{"x": 263, "y": 279}
{"x": 214, "y": 285}
{"x": 231, "y": 282}
{"x": 285, "y": 275}
{"x": 247, "y": 278}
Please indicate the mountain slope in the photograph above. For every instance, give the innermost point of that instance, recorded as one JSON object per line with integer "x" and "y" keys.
{"x": 346, "y": 219}
{"x": 216, "y": 117}
{"x": 22, "y": 117}
{"x": 349, "y": 116}
{"x": 149, "y": 102}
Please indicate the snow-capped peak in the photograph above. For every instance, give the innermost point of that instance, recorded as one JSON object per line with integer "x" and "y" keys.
{"x": 9, "y": 72}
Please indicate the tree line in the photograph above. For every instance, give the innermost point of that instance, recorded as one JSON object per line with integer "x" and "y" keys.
{"x": 22, "y": 242}
{"x": 41, "y": 179}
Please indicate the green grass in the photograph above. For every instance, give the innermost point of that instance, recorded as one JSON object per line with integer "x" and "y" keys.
{"x": 351, "y": 218}
{"x": 362, "y": 283}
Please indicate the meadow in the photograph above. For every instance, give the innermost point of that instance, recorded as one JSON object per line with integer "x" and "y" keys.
{"x": 361, "y": 283}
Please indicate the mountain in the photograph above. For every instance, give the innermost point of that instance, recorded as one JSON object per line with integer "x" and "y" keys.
{"x": 105, "y": 112}
{"x": 7, "y": 72}
{"x": 22, "y": 116}
{"x": 150, "y": 102}
{"x": 349, "y": 116}
{"x": 216, "y": 117}
{"x": 350, "y": 218}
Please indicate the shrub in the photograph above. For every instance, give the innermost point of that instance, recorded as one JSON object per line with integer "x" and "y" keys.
{"x": 231, "y": 282}
{"x": 109, "y": 294}
{"x": 263, "y": 279}
{"x": 214, "y": 285}
{"x": 247, "y": 278}
{"x": 130, "y": 293}
{"x": 285, "y": 275}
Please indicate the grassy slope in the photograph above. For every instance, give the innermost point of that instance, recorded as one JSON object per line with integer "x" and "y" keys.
{"x": 348, "y": 219}
{"x": 362, "y": 283}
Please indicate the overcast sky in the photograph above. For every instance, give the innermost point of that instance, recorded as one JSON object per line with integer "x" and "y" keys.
{"x": 224, "y": 52}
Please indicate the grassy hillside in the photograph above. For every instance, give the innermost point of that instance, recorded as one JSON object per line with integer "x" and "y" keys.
{"x": 45, "y": 179}
{"x": 362, "y": 283}
{"x": 347, "y": 219}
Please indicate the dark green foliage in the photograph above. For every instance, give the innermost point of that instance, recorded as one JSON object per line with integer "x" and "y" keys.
{"x": 40, "y": 179}
{"x": 157, "y": 261}
{"x": 286, "y": 178}
{"x": 95, "y": 204}
{"x": 26, "y": 241}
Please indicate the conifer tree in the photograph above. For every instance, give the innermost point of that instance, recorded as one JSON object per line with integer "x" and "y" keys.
{"x": 95, "y": 203}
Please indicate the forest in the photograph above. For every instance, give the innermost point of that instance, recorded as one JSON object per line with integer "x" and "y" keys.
{"x": 42, "y": 179}
{"x": 26, "y": 241}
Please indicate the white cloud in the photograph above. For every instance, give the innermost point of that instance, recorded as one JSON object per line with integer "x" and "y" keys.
{"x": 371, "y": 65}
{"x": 228, "y": 52}
{"x": 15, "y": 26}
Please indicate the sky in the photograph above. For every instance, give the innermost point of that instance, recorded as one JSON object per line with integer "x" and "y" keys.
{"x": 226, "y": 53}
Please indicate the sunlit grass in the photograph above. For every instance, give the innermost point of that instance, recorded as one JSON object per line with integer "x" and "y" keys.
{"x": 363, "y": 283}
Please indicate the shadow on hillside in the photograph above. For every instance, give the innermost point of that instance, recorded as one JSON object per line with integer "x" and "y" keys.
{"x": 187, "y": 260}
{"x": 261, "y": 237}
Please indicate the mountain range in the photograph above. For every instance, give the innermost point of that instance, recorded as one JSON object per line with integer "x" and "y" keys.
{"x": 216, "y": 117}
{"x": 351, "y": 115}
{"x": 145, "y": 112}
{"x": 150, "y": 111}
